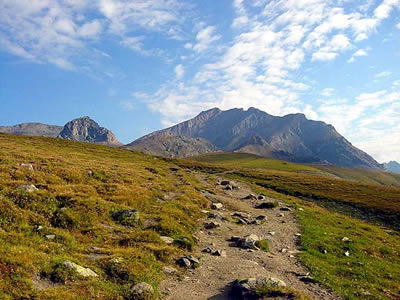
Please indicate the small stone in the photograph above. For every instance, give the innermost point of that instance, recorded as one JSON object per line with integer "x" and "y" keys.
{"x": 204, "y": 211}
{"x": 291, "y": 256}
{"x": 234, "y": 239}
{"x": 82, "y": 271}
{"x": 242, "y": 221}
{"x": 250, "y": 197}
{"x": 170, "y": 270}
{"x": 285, "y": 209}
{"x": 283, "y": 250}
{"x": 280, "y": 215}
{"x": 50, "y": 236}
{"x": 271, "y": 233}
{"x": 27, "y": 166}
{"x": 184, "y": 262}
{"x": 345, "y": 239}
{"x": 261, "y": 197}
{"x": 166, "y": 239}
{"x": 216, "y": 205}
{"x": 212, "y": 225}
{"x": 297, "y": 234}
{"x": 249, "y": 242}
{"x": 225, "y": 182}
{"x": 300, "y": 209}
{"x": 229, "y": 187}
{"x": 219, "y": 253}
{"x": 207, "y": 250}
{"x": 126, "y": 216}
{"x": 142, "y": 291}
{"x": 28, "y": 188}
{"x": 308, "y": 279}
{"x": 347, "y": 253}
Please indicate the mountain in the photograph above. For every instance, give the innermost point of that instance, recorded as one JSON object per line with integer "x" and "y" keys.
{"x": 32, "y": 129}
{"x": 86, "y": 130}
{"x": 392, "y": 166}
{"x": 170, "y": 145}
{"x": 292, "y": 137}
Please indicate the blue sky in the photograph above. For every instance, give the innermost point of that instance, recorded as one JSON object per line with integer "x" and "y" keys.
{"x": 140, "y": 65}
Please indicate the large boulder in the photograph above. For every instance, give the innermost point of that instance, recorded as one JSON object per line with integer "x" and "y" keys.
{"x": 82, "y": 271}
{"x": 249, "y": 242}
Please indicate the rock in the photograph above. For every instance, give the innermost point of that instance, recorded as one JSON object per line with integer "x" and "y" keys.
{"x": 285, "y": 209}
{"x": 188, "y": 262}
{"x": 215, "y": 215}
{"x": 347, "y": 253}
{"x": 271, "y": 233}
{"x": 219, "y": 253}
{"x": 250, "y": 197}
{"x": 345, "y": 239}
{"x": 240, "y": 215}
{"x": 97, "y": 250}
{"x": 50, "y": 236}
{"x": 204, "y": 211}
{"x": 27, "y": 166}
{"x": 300, "y": 209}
{"x": 166, "y": 239}
{"x": 225, "y": 182}
{"x": 216, "y": 205}
{"x": 207, "y": 250}
{"x": 308, "y": 279}
{"x": 141, "y": 291}
{"x": 82, "y": 271}
{"x": 234, "y": 238}
{"x": 266, "y": 205}
{"x": 283, "y": 250}
{"x": 229, "y": 188}
{"x": 261, "y": 197}
{"x": 242, "y": 221}
{"x": 170, "y": 270}
{"x": 297, "y": 234}
{"x": 249, "y": 288}
{"x": 212, "y": 225}
{"x": 27, "y": 188}
{"x": 280, "y": 215}
{"x": 126, "y": 216}
{"x": 249, "y": 242}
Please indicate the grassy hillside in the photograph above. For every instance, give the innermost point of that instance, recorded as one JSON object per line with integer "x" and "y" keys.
{"x": 250, "y": 161}
{"x": 80, "y": 186}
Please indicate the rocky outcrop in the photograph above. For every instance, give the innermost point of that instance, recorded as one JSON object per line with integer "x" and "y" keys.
{"x": 32, "y": 129}
{"x": 86, "y": 130}
{"x": 292, "y": 137}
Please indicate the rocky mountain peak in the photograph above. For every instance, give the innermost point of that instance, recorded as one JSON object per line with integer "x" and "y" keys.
{"x": 85, "y": 129}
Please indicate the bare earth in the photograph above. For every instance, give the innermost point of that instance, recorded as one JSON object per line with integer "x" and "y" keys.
{"x": 213, "y": 279}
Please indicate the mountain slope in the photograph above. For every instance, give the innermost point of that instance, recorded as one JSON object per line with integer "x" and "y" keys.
{"x": 86, "y": 130}
{"x": 392, "y": 166}
{"x": 170, "y": 145}
{"x": 291, "y": 137}
{"x": 32, "y": 129}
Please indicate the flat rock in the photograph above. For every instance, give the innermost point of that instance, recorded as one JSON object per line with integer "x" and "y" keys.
{"x": 166, "y": 239}
{"x": 27, "y": 166}
{"x": 82, "y": 271}
{"x": 27, "y": 188}
{"x": 142, "y": 291}
{"x": 170, "y": 270}
{"x": 212, "y": 225}
{"x": 216, "y": 205}
{"x": 250, "y": 197}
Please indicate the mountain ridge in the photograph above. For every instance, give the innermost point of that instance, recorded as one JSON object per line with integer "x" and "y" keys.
{"x": 32, "y": 129}
{"x": 392, "y": 166}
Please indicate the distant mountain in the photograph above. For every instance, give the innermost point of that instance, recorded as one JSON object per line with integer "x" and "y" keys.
{"x": 86, "y": 130}
{"x": 392, "y": 166}
{"x": 292, "y": 137}
{"x": 32, "y": 129}
{"x": 170, "y": 145}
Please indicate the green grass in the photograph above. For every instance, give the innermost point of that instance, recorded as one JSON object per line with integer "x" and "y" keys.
{"x": 80, "y": 187}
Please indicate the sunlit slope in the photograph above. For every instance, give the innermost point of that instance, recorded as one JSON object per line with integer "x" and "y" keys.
{"x": 80, "y": 186}
{"x": 243, "y": 160}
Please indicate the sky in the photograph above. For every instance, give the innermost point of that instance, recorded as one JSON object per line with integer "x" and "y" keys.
{"x": 136, "y": 66}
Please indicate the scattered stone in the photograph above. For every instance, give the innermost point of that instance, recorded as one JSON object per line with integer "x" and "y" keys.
{"x": 249, "y": 288}
{"x": 261, "y": 197}
{"x": 219, "y": 253}
{"x": 301, "y": 209}
{"x": 307, "y": 279}
{"x": 229, "y": 187}
{"x": 90, "y": 173}
{"x": 240, "y": 215}
{"x": 345, "y": 239}
{"x": 212, "y": 225}
{"x": 280, "y": 215}
{"x": 188, "y": 262}
{"x": 39, "y": 228}
{"x": 82, "y": 271}
{"x": 271, "y": 233}
{"x": 166, "y": 239}
{"x": 250, "y": 197}
{"x": 204, "y": 211}
{"x": 297, "y": 234}
{"x": 142, "y": 291}
{"x": 215, "y": 215}
{"x": 27, "y": 188}
{"x": 97, "y": 250}
{"x": 225, "y": 182}
{"x": 242, "y": 221}
{"x": 249, "y": 242}
{"x": 207, "y": 250}
{"x": 235, "y": 238}
{"x": 266, "y": 205}
{"x": 216, "y": 205}
{"x": 283, "y": 250}
{"x": 170, "y": 270}
{"x": 27, "y": 166}
{"x": 285, "y": 209}
{"x": 291, "y": 256}
{"x": 126, "y": 216}
{"x": 50, "y": 236}
{"x": 347, "y": 253}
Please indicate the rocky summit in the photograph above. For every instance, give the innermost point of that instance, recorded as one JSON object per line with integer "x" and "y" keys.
{"x": 292, "y": 137}
{"x": 86, "y": 130}
{"x": 392, "y": 166}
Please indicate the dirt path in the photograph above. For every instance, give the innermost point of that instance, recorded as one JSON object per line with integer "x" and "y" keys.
{"x": 213, "y": 279}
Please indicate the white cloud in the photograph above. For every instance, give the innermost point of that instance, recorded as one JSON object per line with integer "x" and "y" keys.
{"x": 205, "y": 37}
{"x": 328, "y": 92}
{"x": 383, "y": 74}
{"x": 324, "y": 56}
{"x": 358, "y": 53}
{"x": 179, "y": 71}
{"x": 398, "y": 26}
